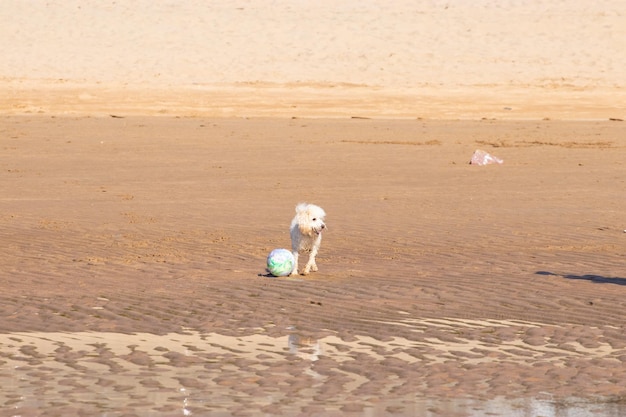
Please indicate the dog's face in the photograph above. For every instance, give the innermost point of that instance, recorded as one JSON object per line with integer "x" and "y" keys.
{"x": 310, "y": 219}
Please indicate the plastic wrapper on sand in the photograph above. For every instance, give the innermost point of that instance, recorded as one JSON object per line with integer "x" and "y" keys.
{"x": 483, "y": 158}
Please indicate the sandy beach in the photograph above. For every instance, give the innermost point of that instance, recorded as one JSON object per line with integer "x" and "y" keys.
{"x": 404, "y": 59}
{"x": 152, "y": 155}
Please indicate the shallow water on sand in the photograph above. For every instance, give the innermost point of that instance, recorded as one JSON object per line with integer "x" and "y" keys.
{"x": 192, "y": 373}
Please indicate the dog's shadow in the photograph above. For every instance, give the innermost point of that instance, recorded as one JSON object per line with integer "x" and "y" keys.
{"x": 599, "y": 279}
{"x": 287, "y": 278}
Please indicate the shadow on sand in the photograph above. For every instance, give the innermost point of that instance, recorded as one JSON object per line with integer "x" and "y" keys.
{"x": 588, "y": 277}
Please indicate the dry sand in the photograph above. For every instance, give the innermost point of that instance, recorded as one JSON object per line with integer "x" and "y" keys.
{"x": 436, "y": 59}
{"x": 133, "y": 277}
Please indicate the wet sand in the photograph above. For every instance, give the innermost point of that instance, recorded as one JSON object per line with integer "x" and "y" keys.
{"x": 134, "y": 253}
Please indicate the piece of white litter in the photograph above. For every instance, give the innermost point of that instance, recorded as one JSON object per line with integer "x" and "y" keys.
{"x": 481, "y": 158}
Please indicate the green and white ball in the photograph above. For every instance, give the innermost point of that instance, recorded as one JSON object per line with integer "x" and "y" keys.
{"x": 280, "y": 262}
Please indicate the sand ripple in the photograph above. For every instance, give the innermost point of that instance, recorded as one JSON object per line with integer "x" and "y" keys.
{"x": 194, "y": 373}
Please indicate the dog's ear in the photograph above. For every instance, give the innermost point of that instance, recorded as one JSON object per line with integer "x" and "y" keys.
{"x": 301, "y": 208}
{"x": 305, "y": 229}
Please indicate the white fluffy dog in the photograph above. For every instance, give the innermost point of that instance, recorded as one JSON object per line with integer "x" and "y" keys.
{"x": 306, "y": 234}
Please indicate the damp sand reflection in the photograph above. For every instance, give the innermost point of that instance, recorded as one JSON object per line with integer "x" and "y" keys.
{"x": 113, "y": 374}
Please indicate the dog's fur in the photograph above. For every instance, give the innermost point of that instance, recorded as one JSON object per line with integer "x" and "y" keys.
{"x": 306, "y": 234}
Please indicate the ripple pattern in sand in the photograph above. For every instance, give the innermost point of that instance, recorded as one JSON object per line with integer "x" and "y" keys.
{"x": 213, "y": 374}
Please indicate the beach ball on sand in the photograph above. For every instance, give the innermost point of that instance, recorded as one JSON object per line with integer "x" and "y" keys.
{"x": 280, "y": 262}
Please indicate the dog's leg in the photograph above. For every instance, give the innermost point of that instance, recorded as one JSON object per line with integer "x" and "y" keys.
{"x": 311, "y": 265}
{"x": 295, "y": 264}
